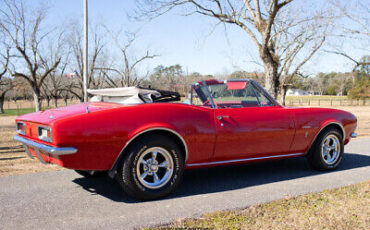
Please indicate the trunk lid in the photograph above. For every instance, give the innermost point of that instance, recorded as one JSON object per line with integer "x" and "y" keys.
{"x": 50, "y": 115}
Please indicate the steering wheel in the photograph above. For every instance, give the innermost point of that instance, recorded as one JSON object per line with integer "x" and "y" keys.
{"x": 206, "y": 102}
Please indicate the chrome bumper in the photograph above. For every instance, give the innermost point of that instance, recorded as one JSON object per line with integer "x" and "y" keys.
{"x": 353, "y": 135}
{"x": 44, "y": 148}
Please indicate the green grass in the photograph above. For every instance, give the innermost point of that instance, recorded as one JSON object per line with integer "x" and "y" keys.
{"x": 342, "y": 208}
{"x": 17, "y": 112}
{"x": 322, "y": 97}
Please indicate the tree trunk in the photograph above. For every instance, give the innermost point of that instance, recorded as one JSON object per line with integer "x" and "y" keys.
{"x": 48, "y": 101}
{"x": 55, "y": 101}
{"x": 37, "y": 99}
{"x": 2, "y": 98}
{"x": 272, "y": 83}
{"x": 65, "y": 101}
{"x": 283, "y": 94}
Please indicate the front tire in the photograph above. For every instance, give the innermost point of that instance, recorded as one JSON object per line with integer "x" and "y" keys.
{"x": 152, "y": 168}
{"x": 326, "y": 152}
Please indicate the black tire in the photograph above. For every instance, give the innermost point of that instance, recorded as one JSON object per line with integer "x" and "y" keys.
{"x": 316, "y": 157}
{"x": 127, "y": 175}
{"x": 91, "y": 174}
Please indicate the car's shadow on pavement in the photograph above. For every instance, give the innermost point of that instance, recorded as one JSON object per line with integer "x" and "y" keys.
{"x": 218, "y": 179}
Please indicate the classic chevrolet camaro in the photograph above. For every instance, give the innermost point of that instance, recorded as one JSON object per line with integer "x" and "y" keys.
{"x": 135, "y": 135}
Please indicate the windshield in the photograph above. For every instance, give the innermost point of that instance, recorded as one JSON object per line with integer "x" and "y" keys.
{"x": 230, "y": 94}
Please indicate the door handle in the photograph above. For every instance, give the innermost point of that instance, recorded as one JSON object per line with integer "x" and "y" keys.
{"x": 222, "y": 117}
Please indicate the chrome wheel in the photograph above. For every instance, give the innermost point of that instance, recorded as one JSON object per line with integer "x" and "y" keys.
{"x": 154, "y": 168}
{"x": 330, "y": 149}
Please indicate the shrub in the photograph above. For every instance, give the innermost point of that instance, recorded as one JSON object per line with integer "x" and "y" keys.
{"x": 361, "y": 90}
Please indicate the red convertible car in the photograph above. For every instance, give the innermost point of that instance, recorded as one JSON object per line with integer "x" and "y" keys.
{"x": 143, "y": 139}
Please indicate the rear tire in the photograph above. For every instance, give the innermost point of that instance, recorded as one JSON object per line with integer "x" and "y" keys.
{"x": 152, "y": 168}
{"x": 91, "y": 173}
{"x": 326, "y": 153}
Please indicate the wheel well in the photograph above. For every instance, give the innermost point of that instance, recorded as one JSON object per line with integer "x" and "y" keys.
{"x": 160, "y": 131}
{"x": 336, "y": 126}
{"x": 164, "y": 132}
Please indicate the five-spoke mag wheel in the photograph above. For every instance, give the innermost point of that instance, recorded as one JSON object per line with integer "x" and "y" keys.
{"x": 330, "y": 149}
{"x": 326, "y": 152}
{"x": 152, "y": 167}
{"x": 155, "y": 167}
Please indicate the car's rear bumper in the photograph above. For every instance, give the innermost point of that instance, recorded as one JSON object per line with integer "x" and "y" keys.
{"x": 43, "y": 148}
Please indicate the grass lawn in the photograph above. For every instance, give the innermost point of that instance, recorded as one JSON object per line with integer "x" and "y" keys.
{"x": 342, "y": 208}
{"x": 317, "y": 97}
{"x": 17, "y": 112}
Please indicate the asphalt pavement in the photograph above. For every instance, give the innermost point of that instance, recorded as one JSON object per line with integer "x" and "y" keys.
{"x": 65, "y": 200}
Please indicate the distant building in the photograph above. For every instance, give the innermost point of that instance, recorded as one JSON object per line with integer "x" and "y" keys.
{"x": 312, "y": 93}
{"x": 296, "y": 92}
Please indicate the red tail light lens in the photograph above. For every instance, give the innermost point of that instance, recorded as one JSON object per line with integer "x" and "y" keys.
{"x": 21, "y": 128}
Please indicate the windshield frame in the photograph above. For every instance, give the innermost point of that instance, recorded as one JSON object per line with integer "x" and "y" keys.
{"x": 196, "y": 89}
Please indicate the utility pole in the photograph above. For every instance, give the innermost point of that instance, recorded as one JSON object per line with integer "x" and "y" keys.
{"x": 85, "y": 73}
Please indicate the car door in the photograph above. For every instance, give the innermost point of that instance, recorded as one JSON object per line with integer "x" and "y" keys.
{"x": 257, "y": 128}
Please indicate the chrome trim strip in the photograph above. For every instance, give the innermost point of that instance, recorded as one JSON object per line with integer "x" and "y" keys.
{"x": 330, "y": 123}
{"x": 147, "y": 130}
{"x": 354, "y": 135}
{"x": 46, "y": 148}
{"x": 244, "y": 160}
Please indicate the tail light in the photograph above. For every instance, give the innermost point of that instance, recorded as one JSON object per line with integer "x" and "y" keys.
{"x": 21, "y": 128}
{"x": 44, "y": 133}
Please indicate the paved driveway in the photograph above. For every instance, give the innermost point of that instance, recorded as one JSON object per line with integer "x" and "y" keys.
{"x": 65, "y": 200}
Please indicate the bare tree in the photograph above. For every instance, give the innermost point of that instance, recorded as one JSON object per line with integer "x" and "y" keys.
{"x": 343, "y": 80}
{"x": 6, "y": 83}
{"x": 319, "y": 83}
{"x": 262, "y": 20}
{"x": 125, "y": 69}
{"x": 24, "y": 30}
{"x": 354, "y": 30}
{"x": 54, "y": 85}
{"x": 296, "y": 43}
{"x": 357, "y": 13}
{"x": 95, "y": 53}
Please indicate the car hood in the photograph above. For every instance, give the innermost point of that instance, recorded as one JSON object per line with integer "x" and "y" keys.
{"x": 51, "y": 115}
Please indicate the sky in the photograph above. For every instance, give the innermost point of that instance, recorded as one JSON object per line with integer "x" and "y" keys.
{"x": 189, "y": 41}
